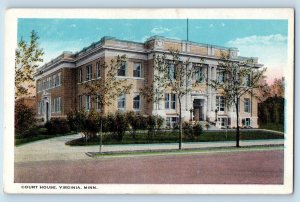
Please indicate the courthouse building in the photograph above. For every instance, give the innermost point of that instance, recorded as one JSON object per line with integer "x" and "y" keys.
{"x": 60, "y": 83}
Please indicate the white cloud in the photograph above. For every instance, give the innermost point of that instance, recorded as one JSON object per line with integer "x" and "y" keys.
{"x": 271, "y": 51}
{"x": 272, "y": 39}
{"x": 160, "y": 30}
{"x": 144, "y": 38}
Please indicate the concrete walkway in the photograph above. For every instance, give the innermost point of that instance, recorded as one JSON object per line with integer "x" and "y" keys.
{"x": 55, "y": 148}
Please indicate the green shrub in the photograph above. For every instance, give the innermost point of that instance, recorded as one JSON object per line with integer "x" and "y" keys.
{"x": 151, "y": 122}
{"x": 76, "y": 120}
{"x": 91, "y": 125}
{"x": 24, "y": 118}
{"x": 33, "y": 132}
{"x": 197, "y": 129}
{"x": 108, "y": 123}
{"x": 57, "y": 126}
{"x": 191, "y": 131}
{"x": 187, "y": 129}
{"x": 160, "y": 122}
{"x": 136, "y": 121}
{"x": 143, "y": 124}
{"x": 120, "y": 126}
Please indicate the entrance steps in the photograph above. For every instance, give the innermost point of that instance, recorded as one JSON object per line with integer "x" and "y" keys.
{"x": 204, "y": 125}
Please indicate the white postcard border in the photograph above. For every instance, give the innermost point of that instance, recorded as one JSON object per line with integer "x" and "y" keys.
{"x": 258, "y": 13}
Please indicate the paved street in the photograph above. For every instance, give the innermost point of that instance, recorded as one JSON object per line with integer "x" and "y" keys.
{"x": 55, "y": 148}
{"x": 50, "y": 161}
{"x": 246, "y": 167}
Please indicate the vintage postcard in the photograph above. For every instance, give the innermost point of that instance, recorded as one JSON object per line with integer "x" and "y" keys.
{"x": 149, "y": 101}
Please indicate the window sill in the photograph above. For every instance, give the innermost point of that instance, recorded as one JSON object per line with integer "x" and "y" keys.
{"x": 49, "y": 88}
{"x": 129, "y": 77}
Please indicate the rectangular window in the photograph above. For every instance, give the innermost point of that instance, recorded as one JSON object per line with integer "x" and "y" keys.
{"x": 220, "y": 103}
{"x": 247, "y": 105}
{"x": 44, "y": 84}
{"x": 247, "y": 80}
{"x": 167, "y": 101}
{"x": 246, "y": 122}
{"x": 80, "y": 102}
{"x": 39, "y": 108}
{"x": 171, "y": 71}
{"x": 199, "y": 73}
{"x": 171, "y": 122}
{"x": 59, "y": 78}
{"x": 56, "y": 79}
{"x": 221, "y": 76}
{"x": 170, "y": 101}
{"x": 121, "y": 101}
{"x": 80, "y": 75}
{"x": 173, "y": 101}
{"x": 88, "y": 73}
{"x": 51, "y": 81}
{"x": 98, "y": 104}
{"x": 136, "y": 102}
{"x": 223, "y": 122}
{"x": 42, "y": 108}
{"x": 137, "y": 69}
{"x": 88, "y": 103}
{"x": 48, "y": 83}
{"x": 122, "y": 69}
{"x": 98, "y": 71}
{"x": 57, "y": 105}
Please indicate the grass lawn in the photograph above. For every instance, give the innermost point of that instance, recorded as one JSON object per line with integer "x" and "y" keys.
{"x": 184, "y": 151}
{"x": 272, "y": 126}
{"x": 172, "y": 137}
{"x": 38, "y": 134}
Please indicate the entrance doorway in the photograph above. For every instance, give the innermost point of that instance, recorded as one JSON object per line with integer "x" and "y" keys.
{"x": 47, "y": 111}
{"x": 198, "y": 109}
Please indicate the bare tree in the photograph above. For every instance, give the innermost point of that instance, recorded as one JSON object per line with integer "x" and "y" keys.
{"x": 174, "y": 76}
{"x": 106, "y": 89}
{"x": 240, "y": 78}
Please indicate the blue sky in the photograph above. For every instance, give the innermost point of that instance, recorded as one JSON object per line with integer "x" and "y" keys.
{"x": 266, "y": 39}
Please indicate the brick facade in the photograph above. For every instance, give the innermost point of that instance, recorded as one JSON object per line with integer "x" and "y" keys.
{"x": 64, "y": 95}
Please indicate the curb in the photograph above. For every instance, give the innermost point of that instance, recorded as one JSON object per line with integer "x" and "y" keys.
{"x": 129, "y": 152}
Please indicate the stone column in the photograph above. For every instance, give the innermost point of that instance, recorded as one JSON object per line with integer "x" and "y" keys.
{"x": 205, "y": 109}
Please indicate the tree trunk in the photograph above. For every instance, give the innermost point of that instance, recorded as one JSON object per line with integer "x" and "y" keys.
{"x": 100, "y": 138}
{"x": 237, "y": 124}
{"x": 180, "y": 124}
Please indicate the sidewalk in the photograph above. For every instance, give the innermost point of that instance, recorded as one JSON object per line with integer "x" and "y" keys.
{"x": 55, "y": 148}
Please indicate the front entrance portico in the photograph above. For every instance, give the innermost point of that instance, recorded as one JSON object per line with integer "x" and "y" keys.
{"x": 199, "y": 107}
{"x": 47, "y": 107}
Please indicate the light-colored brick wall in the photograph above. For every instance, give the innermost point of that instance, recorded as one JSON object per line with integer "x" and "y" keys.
{"x": 137, "y": 83}
{"x": 198, "y": 50}
{"x": 70, "y": 88}
{"x": 172, "y": 46}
